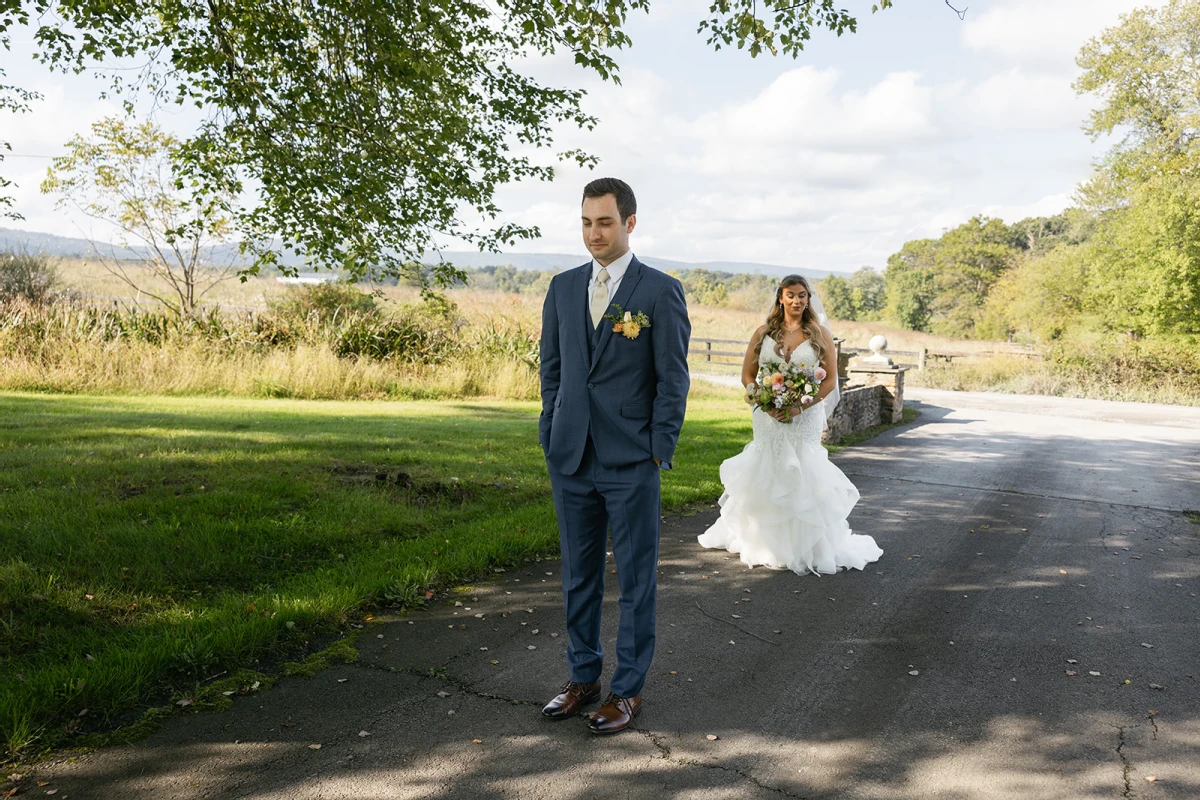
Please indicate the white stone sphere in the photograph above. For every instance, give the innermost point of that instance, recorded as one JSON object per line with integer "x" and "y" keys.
{"x": 878, "y": 343}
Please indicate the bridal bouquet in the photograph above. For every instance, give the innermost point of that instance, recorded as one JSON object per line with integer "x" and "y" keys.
{"x": 783, "y": 384}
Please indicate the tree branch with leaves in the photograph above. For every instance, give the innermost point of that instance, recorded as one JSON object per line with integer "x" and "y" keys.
{"x": 366, "y": 131}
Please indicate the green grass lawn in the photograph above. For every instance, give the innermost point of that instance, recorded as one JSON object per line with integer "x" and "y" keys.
{"x": 147, "y": 544}
{"x": 151, "y": 545}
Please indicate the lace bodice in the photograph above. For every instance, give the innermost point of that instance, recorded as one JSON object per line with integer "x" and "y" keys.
{"x": 803, "y": 354}
{"x": 809, "y": 425}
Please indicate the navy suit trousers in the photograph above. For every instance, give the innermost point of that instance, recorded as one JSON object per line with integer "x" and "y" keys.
{"x": 589, "y": 502}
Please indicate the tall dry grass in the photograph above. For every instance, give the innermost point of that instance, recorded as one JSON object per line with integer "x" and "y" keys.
{"x": 1132, "y": 374}
{"x": 310, "y": 372}
{"x": 62, "y": 348}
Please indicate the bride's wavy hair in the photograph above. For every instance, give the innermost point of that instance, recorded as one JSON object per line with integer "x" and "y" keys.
{"x": 808, "y": 318}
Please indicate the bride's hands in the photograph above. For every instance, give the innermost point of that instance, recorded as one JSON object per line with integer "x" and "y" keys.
{"x": 784, "y": 414}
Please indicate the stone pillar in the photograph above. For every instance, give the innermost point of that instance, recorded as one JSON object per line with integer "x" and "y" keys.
{"x": 892, "y": 381}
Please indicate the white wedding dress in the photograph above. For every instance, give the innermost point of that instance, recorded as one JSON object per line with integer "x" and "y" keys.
{"x": 785, "y": 504}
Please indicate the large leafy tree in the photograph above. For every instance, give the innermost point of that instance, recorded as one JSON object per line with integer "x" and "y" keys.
{"x": 1145, "y": 71}
{"x": 859, "y": 298}
{"x": 370, "y": 128}
{"x": 912, "y": 284}
{"x": 941, "y": 285}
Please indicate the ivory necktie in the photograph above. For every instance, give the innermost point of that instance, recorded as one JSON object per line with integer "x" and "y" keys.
{"x": 600, "y": 297}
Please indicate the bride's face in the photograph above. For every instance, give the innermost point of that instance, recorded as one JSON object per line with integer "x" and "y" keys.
{"x": 794, "y": 299}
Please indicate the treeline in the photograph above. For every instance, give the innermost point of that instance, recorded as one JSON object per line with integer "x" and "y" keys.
{"x": 861, "y": 296}
{"x": 975, "y": 281}
{"x": 1126, "y": 259}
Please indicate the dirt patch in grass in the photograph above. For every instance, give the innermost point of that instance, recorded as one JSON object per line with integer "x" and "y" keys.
{"x": 414, "y": 490}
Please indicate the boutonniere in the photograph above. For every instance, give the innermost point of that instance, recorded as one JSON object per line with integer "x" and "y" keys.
{"x": 627, "y": 324}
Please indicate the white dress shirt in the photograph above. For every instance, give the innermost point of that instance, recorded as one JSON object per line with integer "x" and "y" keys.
{"x": 616, "y": 271}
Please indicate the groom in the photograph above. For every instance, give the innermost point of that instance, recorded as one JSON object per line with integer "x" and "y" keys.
{"x": 613, "y": 397}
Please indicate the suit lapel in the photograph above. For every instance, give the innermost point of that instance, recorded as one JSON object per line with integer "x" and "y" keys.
{"x": 579, "y": 294}
{"x": 628, "y": 283}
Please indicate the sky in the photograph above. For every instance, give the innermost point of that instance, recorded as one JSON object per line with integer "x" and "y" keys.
{"x": 908, "y": 127}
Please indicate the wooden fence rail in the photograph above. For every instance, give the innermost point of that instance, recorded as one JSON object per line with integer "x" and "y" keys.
{"x": 703, "y": 347}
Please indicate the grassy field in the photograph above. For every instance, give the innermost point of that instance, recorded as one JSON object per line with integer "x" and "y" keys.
{"x": 485, "y": 306}
{"x": 148, "y": 544}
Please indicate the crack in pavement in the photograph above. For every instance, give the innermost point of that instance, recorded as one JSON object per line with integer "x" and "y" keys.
{"x": 1090, "y": 500}
{"x": 1126, "y": 767}
{"x": 439, "y": 674}
{"x": 665, "y": 753}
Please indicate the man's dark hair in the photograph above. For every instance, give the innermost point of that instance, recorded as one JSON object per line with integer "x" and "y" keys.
{"x": 626, "y": 202}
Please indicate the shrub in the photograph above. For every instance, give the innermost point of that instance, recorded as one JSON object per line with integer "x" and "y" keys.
{"x": 325, "y": 301}
{"x": 413, "y": 337}
{"x": 26, "y": 276}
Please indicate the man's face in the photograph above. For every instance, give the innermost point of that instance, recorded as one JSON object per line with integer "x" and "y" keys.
{"x": 605, "y": 236}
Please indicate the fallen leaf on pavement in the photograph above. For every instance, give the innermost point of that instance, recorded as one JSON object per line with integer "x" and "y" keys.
{"x": 477, "y": 741}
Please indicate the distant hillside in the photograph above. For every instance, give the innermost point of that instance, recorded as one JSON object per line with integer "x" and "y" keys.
{"x": 69, "y": 247}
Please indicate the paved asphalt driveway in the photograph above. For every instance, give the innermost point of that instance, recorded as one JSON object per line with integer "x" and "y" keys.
{"x": 1032, "y": 632}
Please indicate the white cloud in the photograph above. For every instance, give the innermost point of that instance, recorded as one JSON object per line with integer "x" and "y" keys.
{"x": 1017, "y": 100}
{"x": 1043, "y": 34}
{"x": 1042, "y": 207}
{"x": 803, "y": 108}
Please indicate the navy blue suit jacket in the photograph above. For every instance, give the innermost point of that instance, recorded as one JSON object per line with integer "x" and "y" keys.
{"x": 629, "y": 393}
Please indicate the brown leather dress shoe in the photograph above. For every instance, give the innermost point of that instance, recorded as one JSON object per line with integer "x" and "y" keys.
{"x": 615, "y": 715}
{"x": 571, "y": 699}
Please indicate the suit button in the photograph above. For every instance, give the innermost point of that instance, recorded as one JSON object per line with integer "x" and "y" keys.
{"x": 591, "y": 386}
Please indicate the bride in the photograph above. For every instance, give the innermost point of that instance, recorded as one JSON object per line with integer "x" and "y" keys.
{"x": 785, "y": 504}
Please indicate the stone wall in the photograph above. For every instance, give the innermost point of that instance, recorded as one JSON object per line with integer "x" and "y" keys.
{"x": 860, "y": 407}
{"x": 870, "y": 397}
